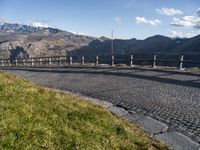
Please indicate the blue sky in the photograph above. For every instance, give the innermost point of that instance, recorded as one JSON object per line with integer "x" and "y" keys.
{"x": 128, "y": 18}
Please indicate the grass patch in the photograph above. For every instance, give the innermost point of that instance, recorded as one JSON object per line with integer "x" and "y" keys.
{"x": 33, "y": 117}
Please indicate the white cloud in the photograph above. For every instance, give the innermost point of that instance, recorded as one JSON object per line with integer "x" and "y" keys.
{"x": 169, "y": 11}
{"x": 125, "y": 3}
{"x": 143, "y": 20}
{"x": 39, "y": 24}
{"x": 186, "y": 21}
{"x": 198, "y": 12}
{"x": 80, "y": 33}
{"x": 174, "y": 34}
{"x": 118, "y": 20}
{"x": 2, "y": 19}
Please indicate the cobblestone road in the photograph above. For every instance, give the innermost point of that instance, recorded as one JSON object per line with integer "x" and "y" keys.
{"x": 168, "y": 96}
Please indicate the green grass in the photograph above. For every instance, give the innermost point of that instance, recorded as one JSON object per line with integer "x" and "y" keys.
{"x": 34, "y": 117}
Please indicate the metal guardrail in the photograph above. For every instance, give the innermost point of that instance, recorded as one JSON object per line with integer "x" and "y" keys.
{"x": 153, "y": 59}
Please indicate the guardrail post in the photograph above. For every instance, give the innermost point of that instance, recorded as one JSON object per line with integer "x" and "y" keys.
{"x": 40, "y": 60}
{"x": 24, "y": 62}
{"x": 2, "y": 63}
{"x": 131, "y": 63}
{"x": 154, "y": 61}
{"x": 49, "y": 61}
{"x": 97, "y": 61}
{"x": 16, "y": 63}
{"x": 83, "y": 60}
{"x": 32, "y": 62}
{"x": 60, "y": 61}
{"x": 8, "y": 62}
{"x": 70, "y": 60}
{"x": 113, "y": 60}
{"x": 181, "y": 62}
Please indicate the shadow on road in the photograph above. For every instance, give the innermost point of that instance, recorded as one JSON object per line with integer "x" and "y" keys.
{"x": 104, "y": 71}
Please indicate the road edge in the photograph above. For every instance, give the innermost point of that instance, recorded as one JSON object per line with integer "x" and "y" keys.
{"x": 156, "y": 129}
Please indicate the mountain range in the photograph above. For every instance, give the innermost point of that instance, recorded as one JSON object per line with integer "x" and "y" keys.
{"x": 26, "y": 41}
{"x": 18, "y": 41}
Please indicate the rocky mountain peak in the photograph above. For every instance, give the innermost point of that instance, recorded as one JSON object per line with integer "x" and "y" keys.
{"x": 103, "y": 38}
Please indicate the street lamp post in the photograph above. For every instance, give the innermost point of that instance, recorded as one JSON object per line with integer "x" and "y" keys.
{"x": 112, "y": 51}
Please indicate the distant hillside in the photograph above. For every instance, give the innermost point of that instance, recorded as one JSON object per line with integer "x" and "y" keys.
{"x": 26, "y": 41}
{"x": 156, "y": 43}
{"x": 188, "y": 45}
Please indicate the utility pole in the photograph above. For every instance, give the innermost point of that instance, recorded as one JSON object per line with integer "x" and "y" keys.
{"x": 112, "y": 51}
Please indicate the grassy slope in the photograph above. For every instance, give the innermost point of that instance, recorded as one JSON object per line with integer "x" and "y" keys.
{"x": 33, "y": 117}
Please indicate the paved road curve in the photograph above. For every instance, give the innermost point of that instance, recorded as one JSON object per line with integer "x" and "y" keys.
{"x": 168, "y": 96}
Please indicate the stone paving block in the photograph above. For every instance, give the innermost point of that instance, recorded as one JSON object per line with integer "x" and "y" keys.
{"x": 105, "y": 104}
{"x": 152, "y": 126}
{"x": 118, "y": 111}
{"x": 177, "y": 141}
{"x": 132, "y": 117}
